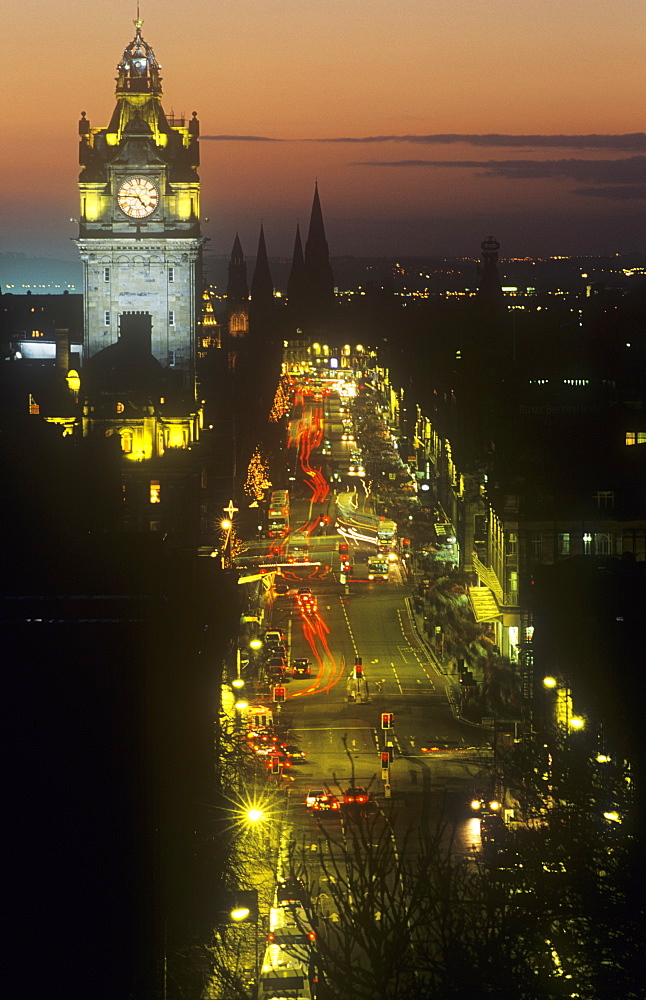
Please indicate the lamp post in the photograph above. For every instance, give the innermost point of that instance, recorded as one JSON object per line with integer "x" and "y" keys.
{"x": 227, "y": 526}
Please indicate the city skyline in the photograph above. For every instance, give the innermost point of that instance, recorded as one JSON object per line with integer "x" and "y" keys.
{"x": 425, "y": 130}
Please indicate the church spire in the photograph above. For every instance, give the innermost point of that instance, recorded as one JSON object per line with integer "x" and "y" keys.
{"x": 262, "y": 286}
{"x": 320, "y": 280}
{"x": 237, "y": 293}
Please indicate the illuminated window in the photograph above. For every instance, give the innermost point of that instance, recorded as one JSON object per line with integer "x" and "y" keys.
{"x": 155, "y": 491}
{"x": 587, "y": 544}
{"x": 171, "y": 318}
{"x": 126, "y": 441}
{"x": 155, "y": 525}
{"x": 171, "y": 273}
{"x": 512, "y": 543}
{"x": 564, "y": 543}
{"x": 34, "y": 407}
{"x": 604, "y": 499}
{"x": 106, "y": 273}
{"x": 635, "y": 437}
{"x": 106, "y": 317}
{"x": 119, "y": 407}
{"x": 171, "y": 359}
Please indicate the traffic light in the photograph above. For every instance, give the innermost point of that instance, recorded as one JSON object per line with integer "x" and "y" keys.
{"x": 385, "y": 760}
{"x": 387, "y": 720}
{"x": 358, "y": 668}
{"x": 343, "y": 548}
{"x": 279, "y": 694}
{"x": 391, "y": 751}
{"x": 275, "y": 765}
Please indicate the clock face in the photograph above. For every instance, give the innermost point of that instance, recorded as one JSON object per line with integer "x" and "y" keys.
{"x": 137, "y": 197}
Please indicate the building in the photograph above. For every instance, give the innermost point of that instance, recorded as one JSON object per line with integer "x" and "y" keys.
{"x": 139, "y": 224}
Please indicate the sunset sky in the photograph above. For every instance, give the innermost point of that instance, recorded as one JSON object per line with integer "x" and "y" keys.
{"x": 428, "y": 123}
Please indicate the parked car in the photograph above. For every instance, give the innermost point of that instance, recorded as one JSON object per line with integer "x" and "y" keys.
{"x": 293, "y": 752}
{"x": 301, "y": 667}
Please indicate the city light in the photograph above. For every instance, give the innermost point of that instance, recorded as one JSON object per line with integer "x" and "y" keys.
{"x": 549, "y": 682}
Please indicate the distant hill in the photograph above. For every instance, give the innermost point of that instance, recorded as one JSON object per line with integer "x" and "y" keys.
{"x": 19, "y": 271}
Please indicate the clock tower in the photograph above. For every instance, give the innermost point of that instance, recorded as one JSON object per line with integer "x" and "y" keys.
{"x": 139, "y": 228}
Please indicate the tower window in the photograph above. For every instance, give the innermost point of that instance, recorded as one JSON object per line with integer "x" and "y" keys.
{"x": 171, "y": 317}
{"x": 106, "y": 317}
{"x": 155, "y": 491}
{"x": 604, "y": 499}
{"x": 171, "y": 273}
{"x": 106, "y": 273}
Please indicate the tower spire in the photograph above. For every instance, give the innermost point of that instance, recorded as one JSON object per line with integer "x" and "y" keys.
{"x": 320, "y": 280}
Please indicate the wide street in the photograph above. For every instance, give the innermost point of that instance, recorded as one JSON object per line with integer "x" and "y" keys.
{"x": 335, "y": 721}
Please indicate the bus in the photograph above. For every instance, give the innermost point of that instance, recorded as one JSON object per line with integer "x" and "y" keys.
{"x": 378, "y": 567}
{"x": 278, "y": 514}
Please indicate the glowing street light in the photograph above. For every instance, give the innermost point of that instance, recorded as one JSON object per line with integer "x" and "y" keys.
{"x": 549, "y": 682}
{"x": 576, "y": 722}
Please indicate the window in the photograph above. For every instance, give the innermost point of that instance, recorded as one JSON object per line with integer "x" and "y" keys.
{"x": 126, "y": 441}
{"x": 537, "y": 545}
{"x": 155, "y": 525}
{"x": 635, "y": 437}
{"x": 512, "y": 543}
{"x": 587, "y": 544}
{"x": 604, "y": 499}
{"x": 171, "y": 360}
{"x": 106, "y": 317}
{"x": 106, "y": 273}
{"x": 171, "y": 318}
{"x": 155, "y": 491}
{"x": 564, "y": 543}
{"x": 603, "y": 545}
{"x": 171, "y": 273}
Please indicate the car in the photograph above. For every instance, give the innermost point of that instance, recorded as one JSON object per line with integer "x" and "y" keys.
{"x": 355, "y": 796}
{"x": 283, "y": 759}
{"x": 325, "y": 803}
{"x": 301, "y": 667}
{"x": 306, "y": 600}
{"x": 273, "y": 635}
{"x": 293, "y": 752}
{"x": 291, "y": 890}
{"x": 347, "y": 436}
{"x": 281, "y": 588}
{"x": 277, "y": 649}
{"x": 313, "y": 795}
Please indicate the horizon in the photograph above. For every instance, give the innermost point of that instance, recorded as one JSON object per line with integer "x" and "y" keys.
{"x": 425, "y": 132}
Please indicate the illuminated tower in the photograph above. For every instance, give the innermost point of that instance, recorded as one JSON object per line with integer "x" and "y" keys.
{"x": 139, "y": 228}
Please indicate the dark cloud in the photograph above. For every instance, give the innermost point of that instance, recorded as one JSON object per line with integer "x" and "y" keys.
{"x": 240, "y": 138}
{"x": 636, "y": 192}
{"x": 629, "y": 170}
{"x": 632, "y": 141}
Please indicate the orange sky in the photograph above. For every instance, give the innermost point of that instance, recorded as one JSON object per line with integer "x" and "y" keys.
{"x": 301, "y": 71}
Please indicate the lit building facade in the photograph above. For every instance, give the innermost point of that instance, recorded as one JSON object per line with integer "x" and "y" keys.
{"x": 139, "y": 224}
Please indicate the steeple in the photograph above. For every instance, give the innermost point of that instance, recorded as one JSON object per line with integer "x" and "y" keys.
{"x": 320, "y": 280}
{"x": 296, "y": 282}
{"x": 237, "y": 292}
{"x": 262, "y": 286}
